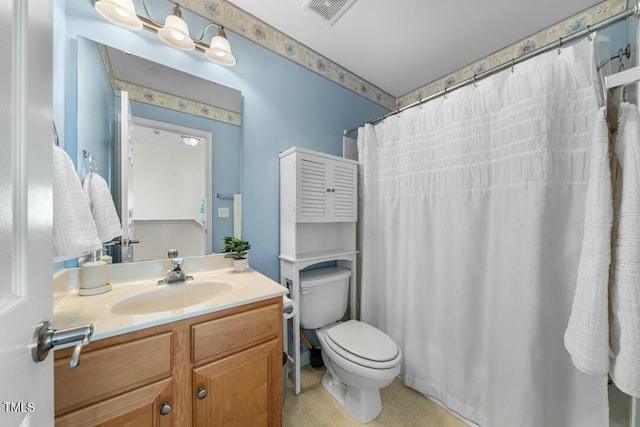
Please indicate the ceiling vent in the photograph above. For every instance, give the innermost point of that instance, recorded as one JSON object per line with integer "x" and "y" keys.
{"x": 328, "y": 10}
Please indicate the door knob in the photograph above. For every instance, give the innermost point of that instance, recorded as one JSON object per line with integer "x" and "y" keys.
{"x": 47, "y": 338}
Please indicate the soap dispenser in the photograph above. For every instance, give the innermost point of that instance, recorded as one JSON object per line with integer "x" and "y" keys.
{"x": 105, "y": 256}
{"x": 94, "y": 276}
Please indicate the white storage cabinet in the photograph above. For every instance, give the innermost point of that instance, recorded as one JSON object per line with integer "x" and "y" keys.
{"x": 318, "y": 215}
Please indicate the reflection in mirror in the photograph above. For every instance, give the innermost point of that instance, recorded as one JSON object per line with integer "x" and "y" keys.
{"x": 170, "y": 192}
{"x": 168, "y": 101}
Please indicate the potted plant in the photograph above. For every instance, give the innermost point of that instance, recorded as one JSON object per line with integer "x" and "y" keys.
{"x": 237, "y": 249}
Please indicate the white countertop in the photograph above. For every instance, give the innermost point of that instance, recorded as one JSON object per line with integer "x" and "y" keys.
{"x": 73, "y": 310}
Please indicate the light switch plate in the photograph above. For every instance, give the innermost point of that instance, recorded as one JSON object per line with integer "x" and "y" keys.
{"x": 223, "y": 212}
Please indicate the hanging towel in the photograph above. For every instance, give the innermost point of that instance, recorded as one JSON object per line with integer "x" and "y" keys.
{"x": 587, "y": 335}
{"x": 625, "y": 287}
{"x": 102, "y": 207}
{"x": 74, "y": 231}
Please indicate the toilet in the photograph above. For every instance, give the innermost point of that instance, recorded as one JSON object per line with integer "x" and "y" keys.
{"x": 359, "y": 358}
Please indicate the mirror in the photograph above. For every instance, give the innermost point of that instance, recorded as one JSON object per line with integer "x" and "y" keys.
{"x": 170, "y": 187}
{"x": 174, "y": 186}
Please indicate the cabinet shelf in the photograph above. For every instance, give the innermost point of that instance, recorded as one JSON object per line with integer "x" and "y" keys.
{"x": 320, "y": 256}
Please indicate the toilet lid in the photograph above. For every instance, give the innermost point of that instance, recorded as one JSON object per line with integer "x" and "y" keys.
{"x": 364, "y": 341}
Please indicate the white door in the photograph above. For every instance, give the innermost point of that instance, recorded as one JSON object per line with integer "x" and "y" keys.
{"x": 125, "y": 177}
{"x": 26, "y": 251}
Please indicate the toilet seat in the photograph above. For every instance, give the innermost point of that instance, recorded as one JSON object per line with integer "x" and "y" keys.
{"x": 363, "y": 344}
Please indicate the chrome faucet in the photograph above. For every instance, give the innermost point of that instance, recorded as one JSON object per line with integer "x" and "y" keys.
{"x": 176, "y": 274}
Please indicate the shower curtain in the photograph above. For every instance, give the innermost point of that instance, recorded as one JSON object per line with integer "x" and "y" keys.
{"x": 473, "y": 210}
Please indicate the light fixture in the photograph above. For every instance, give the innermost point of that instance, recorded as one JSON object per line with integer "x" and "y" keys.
{"x": 191, "y": 141}
{"x": 175, "y": 32}
{"x": 119, "y": 12}
{"x": 219, "y": 50}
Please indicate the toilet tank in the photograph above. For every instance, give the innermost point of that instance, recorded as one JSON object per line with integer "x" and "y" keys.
{"x": 323, "y": 296}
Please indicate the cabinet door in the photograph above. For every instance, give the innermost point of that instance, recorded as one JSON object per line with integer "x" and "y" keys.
{"x": 138, "y": 408}
{"x": 241, "y": 390}
{"x": 344, "y": 190}
{"x": 313, "y": 189}
{"x": 327, "y": 190}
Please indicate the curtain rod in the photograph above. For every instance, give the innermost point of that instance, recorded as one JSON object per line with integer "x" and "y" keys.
{"x": 635, "y": 12}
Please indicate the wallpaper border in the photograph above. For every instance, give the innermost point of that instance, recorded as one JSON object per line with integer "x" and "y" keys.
{"x": 242, "y": 23}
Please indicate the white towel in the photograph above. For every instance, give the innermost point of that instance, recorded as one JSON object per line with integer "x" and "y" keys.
{"x": 587, "y": 334}
{"x": 102, "y": 207}
{"x": 74, "y": 231}
{"x": 625, "y": 288}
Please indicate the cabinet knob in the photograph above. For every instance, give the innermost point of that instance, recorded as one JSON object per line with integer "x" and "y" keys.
{"x": 202, "y": 393}
{"x": 328, "y": 190}
{"x": 333, "y": 190}
{"x": 165, "y": 408}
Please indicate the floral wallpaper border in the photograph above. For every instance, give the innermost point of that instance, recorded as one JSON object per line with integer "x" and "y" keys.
{"x": 578, "y": 22}
{"x": 104, "y": 54}
{"x": 250, "y": 27}
{"x": 184, "y": 105}
{"x": 167, "y": 100}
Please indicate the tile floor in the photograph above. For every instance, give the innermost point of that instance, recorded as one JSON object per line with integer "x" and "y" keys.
{"x": 401, "y": 407}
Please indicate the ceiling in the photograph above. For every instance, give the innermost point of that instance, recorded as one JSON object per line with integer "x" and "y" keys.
{"x": 160, "y": 136}
{"x": 402, "y": 45}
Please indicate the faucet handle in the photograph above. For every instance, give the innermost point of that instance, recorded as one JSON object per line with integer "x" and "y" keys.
{"x": 172, "y": 253}
{"x": 177, "y": 263}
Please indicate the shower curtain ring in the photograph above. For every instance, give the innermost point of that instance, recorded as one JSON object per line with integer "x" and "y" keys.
{"x": 513, "y": 64}
{"x": 589, "y": 32}
{"x": 445, "y": 93}
{"x": 559, "y": 45}
{"x": 475, "y": 80}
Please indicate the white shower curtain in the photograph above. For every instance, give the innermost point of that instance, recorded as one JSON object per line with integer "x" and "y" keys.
{"x": 473, "y": 211}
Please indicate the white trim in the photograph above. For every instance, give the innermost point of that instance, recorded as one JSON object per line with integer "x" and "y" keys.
{"x": 632, "y": 75}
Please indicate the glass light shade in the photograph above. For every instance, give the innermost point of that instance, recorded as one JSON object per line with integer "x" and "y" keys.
{"x": 119, "y": 12}
{"x": 190, "y": 140}
{"x": 175, "y": 33}
{"x": 219, "y": 50}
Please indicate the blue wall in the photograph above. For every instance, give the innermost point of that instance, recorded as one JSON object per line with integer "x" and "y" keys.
{"x": 284, "y": 105}
{"x": 96, "y": 112}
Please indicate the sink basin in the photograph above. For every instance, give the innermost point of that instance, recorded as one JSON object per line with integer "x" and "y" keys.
{"x": 173, "y": 297}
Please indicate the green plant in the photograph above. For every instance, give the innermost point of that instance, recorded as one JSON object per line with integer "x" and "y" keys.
{"x": 235, "y": 248}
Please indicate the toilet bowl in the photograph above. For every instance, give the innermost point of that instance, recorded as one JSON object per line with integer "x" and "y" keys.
{"x": 360, "y": 360}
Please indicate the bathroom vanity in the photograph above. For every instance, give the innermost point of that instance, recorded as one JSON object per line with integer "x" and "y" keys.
{"x": 174, "y": 355}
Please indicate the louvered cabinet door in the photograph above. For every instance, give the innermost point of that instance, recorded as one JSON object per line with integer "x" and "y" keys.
{"x": 313, "y": 189}
{"x": 343, "y": 190}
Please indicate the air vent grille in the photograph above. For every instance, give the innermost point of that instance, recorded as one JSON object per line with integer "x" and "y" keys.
{"x": 329, "y": 10}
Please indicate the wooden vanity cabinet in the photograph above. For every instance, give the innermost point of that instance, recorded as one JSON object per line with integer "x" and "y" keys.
{"x": 219, "y": 369}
